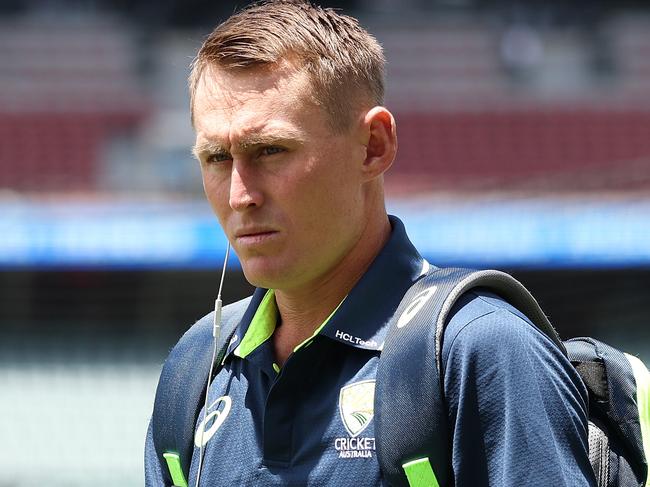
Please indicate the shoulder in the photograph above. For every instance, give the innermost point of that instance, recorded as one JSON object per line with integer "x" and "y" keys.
{"x": 482, "y": 315}
{"x": 507, "y": 385}
{"x": 488, "y": 342}
{"x": 199, "y": 335}
{"x": 487, "y": 337}
{"x": 229, "y": 316}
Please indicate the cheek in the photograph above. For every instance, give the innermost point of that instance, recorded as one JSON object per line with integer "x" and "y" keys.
{"x": 216, "y": 190}
{"x": 309, "y": 192}
{"x": 337, "y": 186}
{"x": 324, "y": 197}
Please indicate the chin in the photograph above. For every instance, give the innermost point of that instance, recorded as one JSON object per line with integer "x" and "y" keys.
{"x": 261, "y": 276}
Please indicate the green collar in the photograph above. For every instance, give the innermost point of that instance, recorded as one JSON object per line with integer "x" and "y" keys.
{"x": 263, "y": 325}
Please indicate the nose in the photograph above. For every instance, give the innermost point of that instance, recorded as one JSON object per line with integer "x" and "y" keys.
{"x": 243, "y": 192}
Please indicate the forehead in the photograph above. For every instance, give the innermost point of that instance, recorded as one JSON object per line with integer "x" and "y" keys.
{"x": 230, "y": 95}
{"x": 236, "y": 109}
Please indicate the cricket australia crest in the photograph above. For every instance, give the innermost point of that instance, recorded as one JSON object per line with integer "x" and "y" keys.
{"x": 356, "y": 405}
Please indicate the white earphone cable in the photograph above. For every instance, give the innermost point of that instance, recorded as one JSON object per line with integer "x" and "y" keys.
{"x": 216, "y": 333}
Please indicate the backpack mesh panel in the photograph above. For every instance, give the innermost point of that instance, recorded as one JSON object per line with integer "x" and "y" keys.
{"x": 599, "y": 452}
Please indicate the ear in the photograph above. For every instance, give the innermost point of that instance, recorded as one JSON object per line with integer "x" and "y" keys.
{"x": 380, "y": 140}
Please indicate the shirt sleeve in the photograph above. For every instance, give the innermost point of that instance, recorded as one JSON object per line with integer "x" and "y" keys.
{"x": 152, "y": 470}
{"x": 517, "y": 408}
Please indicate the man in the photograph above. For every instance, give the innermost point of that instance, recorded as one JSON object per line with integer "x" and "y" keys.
{"x": 293, "y": 142}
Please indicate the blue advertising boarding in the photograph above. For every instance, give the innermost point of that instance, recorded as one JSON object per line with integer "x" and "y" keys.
{"x": 532, "y": 233}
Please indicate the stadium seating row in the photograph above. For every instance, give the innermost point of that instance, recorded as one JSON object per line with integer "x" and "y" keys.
{"x": 70, "y": 88}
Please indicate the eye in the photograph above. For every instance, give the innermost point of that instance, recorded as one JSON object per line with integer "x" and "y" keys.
{"x": 218, "y": 157}
{"x": 271, "y": 150}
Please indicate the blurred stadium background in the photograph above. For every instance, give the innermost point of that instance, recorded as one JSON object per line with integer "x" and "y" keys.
{"x": 524, "y": 145}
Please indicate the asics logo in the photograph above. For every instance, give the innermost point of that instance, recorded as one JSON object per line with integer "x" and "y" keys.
{"x": 217, "y": 417}
{"x": 415, "y": 306}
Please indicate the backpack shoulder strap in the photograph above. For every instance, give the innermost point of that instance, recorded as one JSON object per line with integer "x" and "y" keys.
{"x": 181, "y": 389}
{"x": 410, "y": 415}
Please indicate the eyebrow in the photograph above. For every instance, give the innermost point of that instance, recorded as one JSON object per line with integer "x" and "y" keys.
{"x": 208, "y": 147}
{"x": 247, "y": 142}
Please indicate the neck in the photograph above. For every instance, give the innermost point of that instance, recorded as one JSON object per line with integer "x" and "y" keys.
{"x": 303, "y": 310}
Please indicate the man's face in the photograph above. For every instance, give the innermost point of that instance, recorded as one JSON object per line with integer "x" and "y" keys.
{"x": 286, "y": 188}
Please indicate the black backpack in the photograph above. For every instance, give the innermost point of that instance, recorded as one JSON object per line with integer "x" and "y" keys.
{"x": 618, "y": 385}
{"x": 409, "y": 455}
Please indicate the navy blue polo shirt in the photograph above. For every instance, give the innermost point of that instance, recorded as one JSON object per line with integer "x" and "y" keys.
{"x": 517, "y": 409}
{"x": 310, "y": 422}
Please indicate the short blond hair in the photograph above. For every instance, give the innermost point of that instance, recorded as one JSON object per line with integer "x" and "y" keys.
{"x": 345, "y": 62}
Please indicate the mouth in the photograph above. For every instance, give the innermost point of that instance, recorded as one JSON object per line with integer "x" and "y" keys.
{"x": 255, "y": 236}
